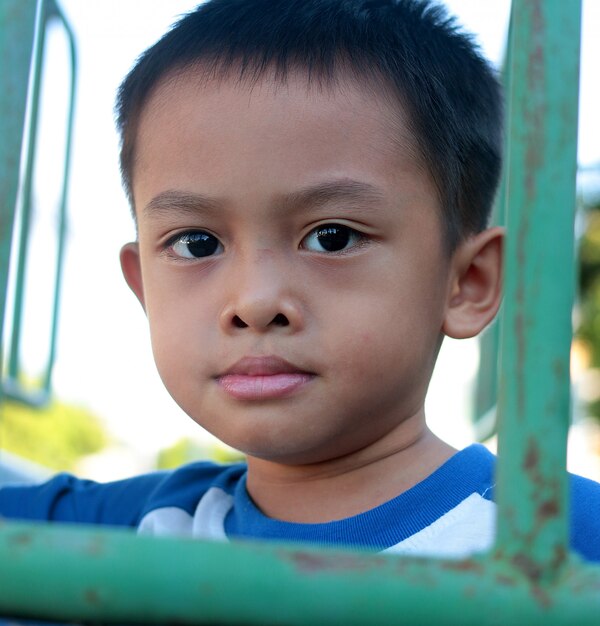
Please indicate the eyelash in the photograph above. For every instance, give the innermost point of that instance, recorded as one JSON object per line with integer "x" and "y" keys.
{"x": 207, "y": 242}
{"x": 348, "y": 234}
{"x": 187, "y": 238}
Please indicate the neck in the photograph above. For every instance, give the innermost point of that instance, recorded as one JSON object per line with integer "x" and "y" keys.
{"x": 351, "y": 484}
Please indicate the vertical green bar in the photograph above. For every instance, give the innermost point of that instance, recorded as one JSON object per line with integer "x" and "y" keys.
{"x": 17, "y": 22}
{"x": 534, "y": 399}
{"x": 486, "y": 389}
{"x": 24, "y": 228}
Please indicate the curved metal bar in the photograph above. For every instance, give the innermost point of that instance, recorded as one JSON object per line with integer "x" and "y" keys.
{"x": 17, "y": 23}
{"x": 12, "y": 386}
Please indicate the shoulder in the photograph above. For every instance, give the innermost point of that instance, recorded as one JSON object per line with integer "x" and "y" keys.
{"x": 66, "y": 498}
{"x": 476, "y": 461}
{"x": 183, "y": 487}
{"x": 585, "y": 517}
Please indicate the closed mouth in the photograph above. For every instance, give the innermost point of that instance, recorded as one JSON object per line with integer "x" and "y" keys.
{"x": 263, "y": 378}
{"x": 262, "y": 366}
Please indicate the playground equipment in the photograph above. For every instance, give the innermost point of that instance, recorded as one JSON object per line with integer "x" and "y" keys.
{"x": 528, "y": 577}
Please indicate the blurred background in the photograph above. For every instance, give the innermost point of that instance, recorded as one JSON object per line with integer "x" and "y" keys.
{"x": 110, "y": 416}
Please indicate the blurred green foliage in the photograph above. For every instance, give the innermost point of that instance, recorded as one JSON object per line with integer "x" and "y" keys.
{"x": 55, "y": 436}
{"x": 588, "y": 331}
{"x": 186, "y": 450}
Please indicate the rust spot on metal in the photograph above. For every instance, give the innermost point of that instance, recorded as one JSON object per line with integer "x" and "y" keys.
{"x": 91, "y": 596}
{"x": 532, "y": 571}
{"x": 527, "y": 566}
{"x": 534, "y": 108}
{"x": 310, "y": 562}
{"x": 548, "y": 509}
{"x": 532, "y": 456}
{"x": 559, "y": 369}
{"x": 520, "y": 330}
{"x": 21, "y": 539}
{"x": 547, "y": 492}
{"x": 560, "y": 557}
{"x": 505, "y": 581}
{"x": 95, "y": 547}
{"x": 542, "y": 596}
{"x": 468, "y": 565}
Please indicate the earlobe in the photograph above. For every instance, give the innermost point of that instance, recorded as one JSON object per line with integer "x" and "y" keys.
{"x": 475, "y": 288}
{"x": 132, "y": 270}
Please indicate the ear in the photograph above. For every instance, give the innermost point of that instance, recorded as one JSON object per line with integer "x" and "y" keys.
{"x": 475, "y": 287}
{"x": 132, "y": 270}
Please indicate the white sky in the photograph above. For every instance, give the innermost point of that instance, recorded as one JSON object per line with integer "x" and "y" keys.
{"x": 105, "y": 360}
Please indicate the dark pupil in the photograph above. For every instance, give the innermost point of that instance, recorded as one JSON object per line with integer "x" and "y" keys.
{"x": 201, "y": 244}
{"x": 333, "y": 238}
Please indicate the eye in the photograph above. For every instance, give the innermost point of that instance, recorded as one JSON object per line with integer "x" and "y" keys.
{"x": 195, "y": 245}
{"x": 332, "y": 238}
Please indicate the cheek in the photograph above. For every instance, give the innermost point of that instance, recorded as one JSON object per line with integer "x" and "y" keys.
{"x": 171, "y": 354}
{"x": 376, "y": 354}
{"x": 176, "y": 334}
{"x": 387, "y": 341}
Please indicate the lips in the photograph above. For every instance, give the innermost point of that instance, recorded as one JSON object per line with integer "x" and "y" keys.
{"x": 263, "y": 378}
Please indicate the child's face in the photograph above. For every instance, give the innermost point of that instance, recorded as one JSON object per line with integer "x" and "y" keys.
{"x": 281, "y": 222}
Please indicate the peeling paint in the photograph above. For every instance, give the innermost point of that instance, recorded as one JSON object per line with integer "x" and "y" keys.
{"x": 466, "y": 565}
{"x": 529, "y": 567}
{"x": 21, "y": 539}
{"x": 547, "y": 509}
{"x": 92, "y": 596}
{"x": 505, "y": 581}
{"x": 532, "y": 456}
{"x": 310, "y": 562}
{"x": 96, "y": 547}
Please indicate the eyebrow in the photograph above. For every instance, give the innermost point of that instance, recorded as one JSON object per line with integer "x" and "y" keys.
{"x": 183, "y": 202}
{"x": 345, "y": 190}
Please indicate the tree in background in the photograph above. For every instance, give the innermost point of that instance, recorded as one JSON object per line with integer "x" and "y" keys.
{"x": 186, "y": 450}
{"x": 588, "y": 327}
{"x": 55, "y": 436}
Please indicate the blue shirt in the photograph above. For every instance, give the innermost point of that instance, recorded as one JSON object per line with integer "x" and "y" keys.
{"x": 449, "y": 514}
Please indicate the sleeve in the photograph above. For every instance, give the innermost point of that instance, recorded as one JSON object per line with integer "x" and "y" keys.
{"x": 66, "y": 498}
{"x": 585, "y": 518}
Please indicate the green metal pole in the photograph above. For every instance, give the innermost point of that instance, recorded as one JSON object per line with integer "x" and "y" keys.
{"x": 27, "y": 188}
{"x": 76, "y": 573}
{"x": 17, "y": 24}
{"x": 12, "y": 385}
{"x": 486, "y": 388}
{"x": 56, "y": 572}
{"x": 534, "y": 402}
{"x": 55, "y": 11}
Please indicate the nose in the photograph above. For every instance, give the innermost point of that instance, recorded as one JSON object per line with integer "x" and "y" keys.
{"x": 262, "y": 297}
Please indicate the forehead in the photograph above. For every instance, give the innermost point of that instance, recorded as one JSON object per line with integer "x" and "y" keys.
{"x": 219, "y": 132}
{"x": 271, "y": 95}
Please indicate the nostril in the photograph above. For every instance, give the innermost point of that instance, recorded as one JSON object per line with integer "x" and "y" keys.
{"x": 238, "y": 322}
{"x": 280, "y": 320}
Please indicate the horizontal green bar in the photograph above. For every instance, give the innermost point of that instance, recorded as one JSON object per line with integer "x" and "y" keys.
{"x": 76, "y": 573}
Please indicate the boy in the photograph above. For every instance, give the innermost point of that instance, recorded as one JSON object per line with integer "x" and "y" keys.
{"x": 311, "y": 183}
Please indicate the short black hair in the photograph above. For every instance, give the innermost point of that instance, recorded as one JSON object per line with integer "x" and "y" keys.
{"x": 450, "y": 93}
